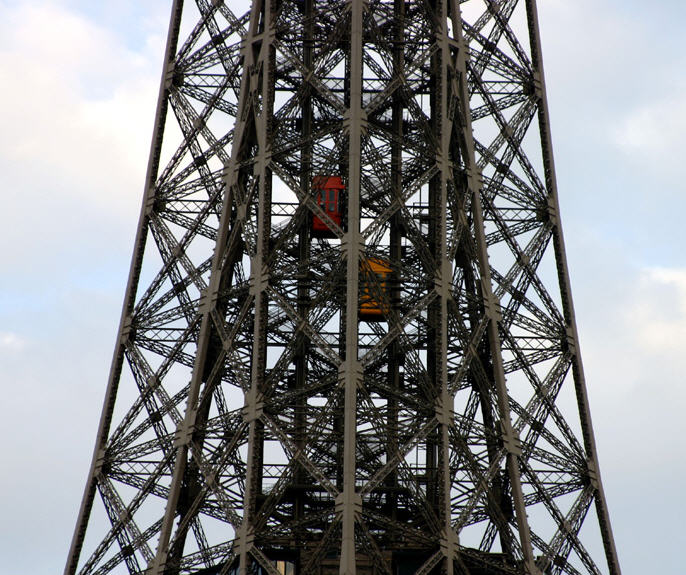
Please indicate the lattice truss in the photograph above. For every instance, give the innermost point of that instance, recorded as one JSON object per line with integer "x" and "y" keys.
{"x": 242, "y": 337}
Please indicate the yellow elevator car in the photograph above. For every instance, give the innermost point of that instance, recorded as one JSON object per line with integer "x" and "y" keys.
{"x": 375, "y": 275}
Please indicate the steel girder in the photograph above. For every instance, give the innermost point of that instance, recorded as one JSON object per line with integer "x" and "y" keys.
{"x": 254, "y": 421}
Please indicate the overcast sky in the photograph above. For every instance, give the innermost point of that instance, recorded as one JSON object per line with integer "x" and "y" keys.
{"x": 79, "y": 81}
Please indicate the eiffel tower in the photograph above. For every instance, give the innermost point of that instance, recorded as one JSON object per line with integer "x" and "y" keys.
{"x": 348, "y": 342}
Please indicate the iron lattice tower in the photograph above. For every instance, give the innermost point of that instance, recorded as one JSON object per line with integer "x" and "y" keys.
{"x": 378, "y": 375}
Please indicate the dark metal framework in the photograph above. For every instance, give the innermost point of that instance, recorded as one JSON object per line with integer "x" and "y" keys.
{"x": 255, "y": 421}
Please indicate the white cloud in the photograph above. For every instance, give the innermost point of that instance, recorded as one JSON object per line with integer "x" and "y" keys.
{"x": 74, "y": 147}
{"x": 78, "y": 99}
{"x": 11, "y": 342}
{"x": 609, "y": 89}
{"x": 635, "y": 360}
{"x": 633, "y": 344}
{"x": 659, "y": 313}
{"x": 655, "y": 132}
{"x": 80, "y": 102}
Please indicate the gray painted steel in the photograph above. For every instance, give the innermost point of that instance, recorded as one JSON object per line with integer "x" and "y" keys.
{"x": 392, "y": 386}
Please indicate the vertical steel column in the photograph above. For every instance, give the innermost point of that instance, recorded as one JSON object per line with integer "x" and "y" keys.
{"x": 131, "y": 289}
{"x": 350, "y": 502}
{"x": 566, "y": 291}
{"x": 304, "y": 273}
{"x": 490, "y": 304}
{"x": 253, "y": 81}
{"x": 184, "y": 435}
{"x": 260, "y": 42}
{"x": 394, "y": 351}
{"x": 442, "y": 283}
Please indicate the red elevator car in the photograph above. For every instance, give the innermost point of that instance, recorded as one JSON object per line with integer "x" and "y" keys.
{"x": 329, "y": 191}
